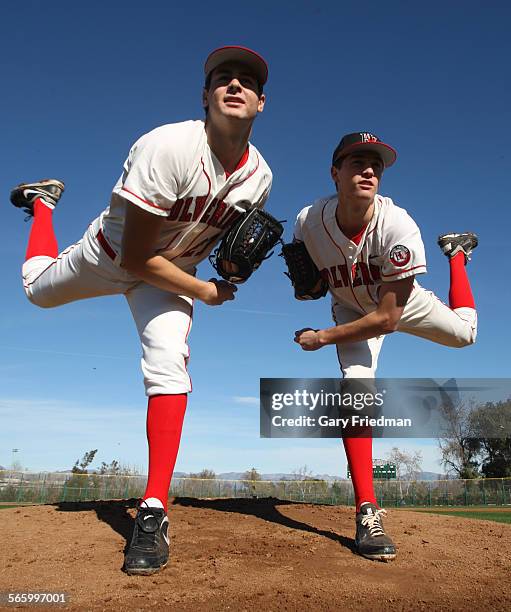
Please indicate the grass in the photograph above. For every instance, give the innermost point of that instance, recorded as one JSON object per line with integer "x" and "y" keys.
{"x": 501, "y": 516}
{"x": 14, "y": 505}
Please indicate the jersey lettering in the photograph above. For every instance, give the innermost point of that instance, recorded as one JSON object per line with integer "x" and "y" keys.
{"x": 337, "y": 276}
{"x": 186, "y": 214}
{"x": 200, "y": 202}
{"x": 175, "y": 210}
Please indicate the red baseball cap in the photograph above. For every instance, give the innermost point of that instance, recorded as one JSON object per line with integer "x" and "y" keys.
{"x": 238, "y": 54}
{"x": 358, "y": 141}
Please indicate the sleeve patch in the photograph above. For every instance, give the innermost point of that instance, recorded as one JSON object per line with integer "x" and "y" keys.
{"x": 400, "y": 255}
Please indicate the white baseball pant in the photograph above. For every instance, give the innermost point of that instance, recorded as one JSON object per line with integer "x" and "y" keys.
{"x": 88, "y": 269}
{"x": 424, "y": 315}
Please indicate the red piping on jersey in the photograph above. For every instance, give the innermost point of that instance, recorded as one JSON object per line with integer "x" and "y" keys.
{"x": 342, "y": 253}
{"x": 206, "y": 208}
{"x": 145, "y": 201}
{"x": 403, "y": 271}
{"x": 367, "y": 286}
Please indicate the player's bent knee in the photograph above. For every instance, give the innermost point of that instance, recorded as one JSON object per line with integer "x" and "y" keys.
{"x": 463, "y": 341}
{"x": 40, "y": 300}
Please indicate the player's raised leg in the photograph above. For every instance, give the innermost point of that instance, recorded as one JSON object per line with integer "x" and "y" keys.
{"x": 80, "y": 271}
{"x": 427, "y": 317}
{"x": 38, "y": 200}
{"x": 458, "y": 248}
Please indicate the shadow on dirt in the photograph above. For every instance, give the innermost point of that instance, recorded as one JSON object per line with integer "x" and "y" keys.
{"x": 115, "y": 513}
{"x": 266, "y": 509}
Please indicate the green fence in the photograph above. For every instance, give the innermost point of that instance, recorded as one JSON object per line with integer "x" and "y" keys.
{"x": 24, "y": 487}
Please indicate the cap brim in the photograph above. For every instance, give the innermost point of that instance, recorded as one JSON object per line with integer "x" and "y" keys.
{"x": 238, "y": 54}
{"x": 385, "y": 151}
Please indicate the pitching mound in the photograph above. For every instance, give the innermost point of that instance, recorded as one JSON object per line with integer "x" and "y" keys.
{"x": 256, "y": 554}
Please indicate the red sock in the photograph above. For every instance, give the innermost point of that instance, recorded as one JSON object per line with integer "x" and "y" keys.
{"x": 460, "y": 294}
{"x": 359, "y": 452}
{"x": 42, "y": 239}
{"x": 165, "y": 415}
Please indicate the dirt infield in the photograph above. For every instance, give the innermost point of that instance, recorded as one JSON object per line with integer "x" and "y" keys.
{"x": 238, "y": 554}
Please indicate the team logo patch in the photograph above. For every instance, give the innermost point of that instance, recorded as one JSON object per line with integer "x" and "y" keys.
{"x": 400, "y": 255}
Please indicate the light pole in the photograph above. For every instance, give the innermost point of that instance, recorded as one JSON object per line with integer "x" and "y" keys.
{"x": 14, "y": 451}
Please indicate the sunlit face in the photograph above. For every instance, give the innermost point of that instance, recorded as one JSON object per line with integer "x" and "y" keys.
{"x": 233, "y": 92}
{"x": 358, "y": 175}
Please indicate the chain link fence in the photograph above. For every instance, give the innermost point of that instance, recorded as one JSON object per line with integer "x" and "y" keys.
{"x": 46, "y": 487}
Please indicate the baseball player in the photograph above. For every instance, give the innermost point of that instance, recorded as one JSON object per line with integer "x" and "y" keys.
{"x": 182, "y": 186}
{"x": 368, "y": 252}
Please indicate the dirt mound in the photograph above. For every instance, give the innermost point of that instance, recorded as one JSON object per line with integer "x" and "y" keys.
{"x": 235, "y": 554}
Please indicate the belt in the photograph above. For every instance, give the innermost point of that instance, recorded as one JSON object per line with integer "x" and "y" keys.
{"x": 106, "y": 247}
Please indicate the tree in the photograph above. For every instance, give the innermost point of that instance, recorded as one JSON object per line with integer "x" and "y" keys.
{"x": 110, "y": 468}
{"x": 302, "y": 473}
{"x": 80, "y": 481}
{"x": 80, "y": 467}
{"x": 251, "y": 475}
{"x": 491, "y": 424}
{"x": 408, "y": 464}
{"x": 458, "y": 445}
{"x": 408, "y": 467}
{"x": 307, "y": 484}
{"x": 205, "y": 474}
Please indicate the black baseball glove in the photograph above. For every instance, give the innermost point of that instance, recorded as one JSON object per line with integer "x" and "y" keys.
{"x": 246, "y": 245}
{"x": 302, "y": 271}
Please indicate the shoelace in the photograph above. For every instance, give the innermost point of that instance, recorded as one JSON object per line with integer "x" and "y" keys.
{"x": 373, "y": 522}
{"x": 146, "y": 537}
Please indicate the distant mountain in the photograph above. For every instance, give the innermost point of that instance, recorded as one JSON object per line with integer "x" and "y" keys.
{"x": 275, "y": 476}
{"x": 431, "y": 476}
{"x": 286, "y": 476}
{"x": 426, "y": 476}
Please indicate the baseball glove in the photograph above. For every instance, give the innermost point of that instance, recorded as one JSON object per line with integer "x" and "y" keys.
{"x": 245, "y": 245}
{"x": 302, "y": 271}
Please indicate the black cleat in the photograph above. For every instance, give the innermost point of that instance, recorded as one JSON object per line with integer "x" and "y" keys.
{"x": 24, "y": 195}
{"x": 148, "y": 552}
{"x": 452, "y": 244}
{"x": 371, "y": 540}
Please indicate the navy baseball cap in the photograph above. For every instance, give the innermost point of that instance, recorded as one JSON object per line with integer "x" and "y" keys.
{"x": 364, "y": 141}
{"x": 238, "y": 54}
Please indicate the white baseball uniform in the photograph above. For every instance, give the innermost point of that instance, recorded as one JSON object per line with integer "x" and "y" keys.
{"x": 390, "y": 249}
{"x": 172, "y": 172}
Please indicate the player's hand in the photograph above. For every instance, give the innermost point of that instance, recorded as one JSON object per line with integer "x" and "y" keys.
{"x": 308, "y": 339}
{"x": 218, "y": 292}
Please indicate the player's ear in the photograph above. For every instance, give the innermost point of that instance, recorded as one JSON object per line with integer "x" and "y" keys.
{"x": 260, "y": 104}
{"x": 205, "y": 97}
{"x": 334, "y": 173}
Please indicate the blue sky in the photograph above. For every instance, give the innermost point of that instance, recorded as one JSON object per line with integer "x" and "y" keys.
{"x": 81, "y": 85}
